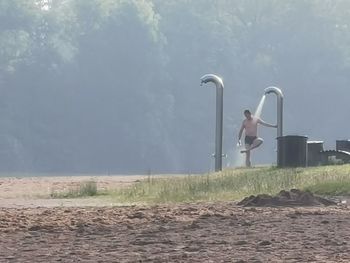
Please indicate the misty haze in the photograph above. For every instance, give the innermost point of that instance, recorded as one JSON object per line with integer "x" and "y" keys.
{"x": 111, "y": 87}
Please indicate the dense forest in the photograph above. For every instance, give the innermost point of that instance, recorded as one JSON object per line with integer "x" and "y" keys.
{"x": 113, "y": 86}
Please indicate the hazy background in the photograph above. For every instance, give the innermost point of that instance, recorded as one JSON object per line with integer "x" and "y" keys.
{"x": 112, "y": 86}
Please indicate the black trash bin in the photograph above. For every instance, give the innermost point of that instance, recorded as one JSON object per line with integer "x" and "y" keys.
{"x": 314, "y": 149}
{"x": 343, "y": 145}
{"x": 292, "y": 151}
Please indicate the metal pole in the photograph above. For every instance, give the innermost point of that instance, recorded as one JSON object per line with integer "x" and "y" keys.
{"x": 280, "y": 117}
{"x": 219, "y": 116}
{"x": 279, "y": 95}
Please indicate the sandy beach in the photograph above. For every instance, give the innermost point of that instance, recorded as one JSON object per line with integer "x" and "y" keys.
{"x": 35, "y": 192}
{"x": 38, "y": 229}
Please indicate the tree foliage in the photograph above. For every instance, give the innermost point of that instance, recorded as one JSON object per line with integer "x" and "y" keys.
{"x": 113, "y": 85}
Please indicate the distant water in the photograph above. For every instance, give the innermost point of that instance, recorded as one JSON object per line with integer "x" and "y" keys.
{"x": 258, "y": 110}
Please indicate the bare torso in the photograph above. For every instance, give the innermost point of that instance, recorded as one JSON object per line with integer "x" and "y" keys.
{"x": 251, "y": 126}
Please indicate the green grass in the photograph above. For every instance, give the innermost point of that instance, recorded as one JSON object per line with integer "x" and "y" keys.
{"x": 331, "y": 188}
{"x": 234, "y": 184}
{"x": 85, "y": 189}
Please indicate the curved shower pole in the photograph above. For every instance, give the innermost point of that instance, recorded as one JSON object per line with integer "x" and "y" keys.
{"x": 279, "y": 95}
{"x": 219, "y": 116}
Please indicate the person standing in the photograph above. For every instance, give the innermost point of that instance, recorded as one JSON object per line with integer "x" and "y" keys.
{"x": 251, "y": 139}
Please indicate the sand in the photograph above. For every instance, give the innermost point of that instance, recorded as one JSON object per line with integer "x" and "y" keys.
{"x": 36, "y": 191}
{"x": 32, "y": 230}
{"x": 294, "y": 197}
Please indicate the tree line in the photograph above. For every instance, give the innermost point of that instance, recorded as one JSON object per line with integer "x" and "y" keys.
{"x": 112, "y": 86}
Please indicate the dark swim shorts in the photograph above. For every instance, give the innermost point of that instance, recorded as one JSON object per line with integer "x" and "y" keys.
{"x": 249, "y": 139}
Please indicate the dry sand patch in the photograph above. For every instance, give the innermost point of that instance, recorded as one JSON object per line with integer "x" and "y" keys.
{"x": 36, "y": 191}
{"x": 294, "y": 197}
{"x": 206, "y": 232}
{"x": 83, "y": 231}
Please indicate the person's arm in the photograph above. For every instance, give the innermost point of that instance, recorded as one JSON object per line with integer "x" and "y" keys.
{"x": 260, "y": 121}
{"x": 240, "y": 133}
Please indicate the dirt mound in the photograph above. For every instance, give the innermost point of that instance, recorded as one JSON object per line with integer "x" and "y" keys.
{"x": 294, "y": 197}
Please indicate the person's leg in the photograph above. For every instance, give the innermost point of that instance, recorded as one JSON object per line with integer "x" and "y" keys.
{"x": 256, "y": 143}
{"x": 247, "y": 157}
{"x": 247, "y": 143}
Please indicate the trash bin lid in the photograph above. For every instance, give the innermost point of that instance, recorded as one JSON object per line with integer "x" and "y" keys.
{"x": 292, "y": 136}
